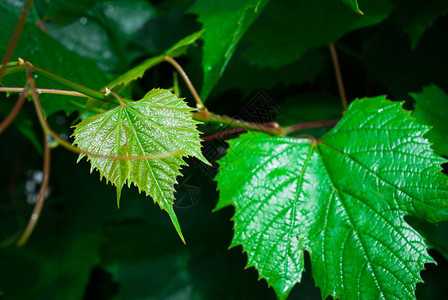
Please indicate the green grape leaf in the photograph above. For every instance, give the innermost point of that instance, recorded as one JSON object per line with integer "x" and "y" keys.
{"x": 305, "y": 25}
{"x": 137, "y": 72}
{"x": 431, "y": 107}
{"x": 353, "y": 4}
{"x": 341, "y": 198}
{"x": 158, "y": 123}
{"x": 225, "y": 22}
{"x": 414, "y": 18}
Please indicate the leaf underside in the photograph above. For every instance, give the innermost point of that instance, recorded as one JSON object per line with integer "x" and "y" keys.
{"x": 342, "y": 199}
{"x": 159, "y": 123}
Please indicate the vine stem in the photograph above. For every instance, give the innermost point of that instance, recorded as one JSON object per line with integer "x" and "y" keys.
{"x": 42, "y": 193}
{"x": 222, "y": 134}
{"x": 272, "y": 128}
{"x": 47, "y": 130}
{"x": 204, "y": 115}
{"x": 14, "y": 111}
{"x": 25, "y": 66}
{"x": 199, "y": 104}
{"x": 337, "y": 71}
{"x": 308, "y": 125}
{"x": 15, "y": 37}
{"x": 43, "y": 91}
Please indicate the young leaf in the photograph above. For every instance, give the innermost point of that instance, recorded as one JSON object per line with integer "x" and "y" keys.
{"x": 158, "y": 123}
{"x": 225, "y": 22}
{"x": 342, "y": 199}
{"x": 431, "y": 107}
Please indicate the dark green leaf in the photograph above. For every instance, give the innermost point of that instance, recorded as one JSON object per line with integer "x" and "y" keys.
{"x": 353, "y": 4}
{"x": 390, "y": 61}
{"x": 159, "y": 123}
{"x": 415, "y": 18}
{"x": 225, "y": 22}
{"x": 341, "y": 198}
{"x": 23, "y": 121}
{"x": 106, "y": 31}
{"x": 137, "y": 72}
{"x": 288, "y": 29}
{"x": 43, "y": 51}
{"x": 252, "y": 78}
{"x": 431, "y": 107}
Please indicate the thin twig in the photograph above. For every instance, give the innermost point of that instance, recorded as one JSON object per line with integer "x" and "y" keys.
{"x": 47, "y": 129}
{"x": 42, "y": 193}
{"x": 15, "y": 37}
{"x": 13, "y": 113}
{"x": 222, "y": 134}
{"x": 43, "y": 91}
{"x": 337, "y": 71}
{"x": 199, "y": 104}
{"x": 213, "y": 118}
{"x": 308, "y": 125}
{"x": 202, "y": 115}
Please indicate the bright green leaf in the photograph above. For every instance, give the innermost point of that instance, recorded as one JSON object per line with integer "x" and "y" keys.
{"x": 225, "y": 22}
{"x": 158, "y": 123}
{"x": 353, "y": 4}
{"x": 137, "y": 72}
{"x": 289, "y": 29}
{"x": 342, "y": 199}
{"x": 431, "y": 107}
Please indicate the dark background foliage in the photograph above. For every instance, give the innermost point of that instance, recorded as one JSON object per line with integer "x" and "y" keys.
{"x": 86, "y": 248}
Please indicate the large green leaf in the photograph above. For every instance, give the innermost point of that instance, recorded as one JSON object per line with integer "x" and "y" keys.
{"x": 431, "y": 107}
{"x": 158, "y": 123}
{"x": 225, "y": 22}
{"x": 289, "y": 29}
{"x": 341, "y": 198}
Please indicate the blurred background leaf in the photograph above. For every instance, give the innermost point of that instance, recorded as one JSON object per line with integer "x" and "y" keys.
{"x": 281, "y": 70}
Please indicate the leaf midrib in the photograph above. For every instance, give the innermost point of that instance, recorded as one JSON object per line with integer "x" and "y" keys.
{"x": 146, "y": 161}
{"x": 355, "y": 231}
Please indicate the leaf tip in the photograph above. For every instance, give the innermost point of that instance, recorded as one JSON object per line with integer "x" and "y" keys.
{"x": 175, "y": 222}
{"x": 118, "y": 196}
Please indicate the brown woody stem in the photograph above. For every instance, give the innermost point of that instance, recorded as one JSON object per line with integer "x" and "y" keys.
{"x": 43, "y": 91}
{"x": 272, "y": 128}
{"x": 42, "y": 193}
{"x": 337, "y": 71}
{"x": 14, "y": 111}
{"x": 199, "y": 104}
{"x": 15, "y": 37}
{"x": 308, "y": 125}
